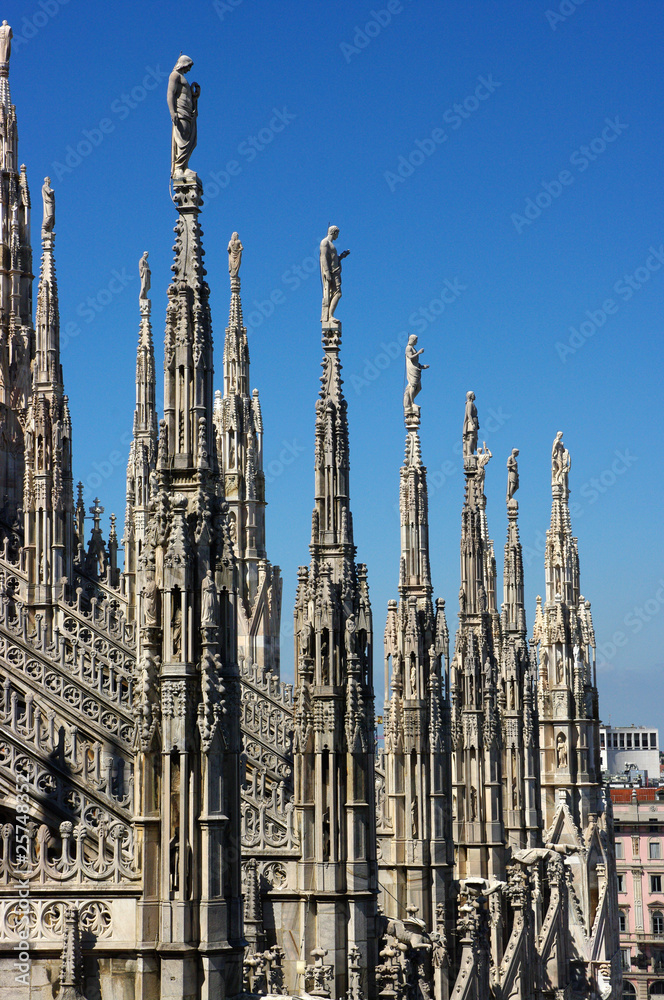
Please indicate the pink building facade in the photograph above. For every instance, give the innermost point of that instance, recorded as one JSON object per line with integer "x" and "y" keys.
{"x": 639, "y": 832}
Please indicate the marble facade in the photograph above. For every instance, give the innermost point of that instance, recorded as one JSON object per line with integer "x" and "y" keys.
{"x": 177, "y": 822}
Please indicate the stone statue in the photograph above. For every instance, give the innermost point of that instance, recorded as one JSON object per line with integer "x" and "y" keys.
{"x": 235, "y": 249}
{"x": 471, "y": 425}
{"x": 183, "y": 105}
{"x": 351, "y": 637}
{"x": 48, "y": 196}
{"x": 561, "y": 461}
{"x": 145, "y": 275}
{"x": 413, "y": 374}
{"x": 484, "y": 456}
{"x": 330, "y": 272}
{"x": 150, "y": 603}
{"x": 561, "y": 751}
{"x": 6, "y": 36}
{"x": 176, "y": 630}
{"x": 208, "y": 601}
{"x": 512, "y": 474}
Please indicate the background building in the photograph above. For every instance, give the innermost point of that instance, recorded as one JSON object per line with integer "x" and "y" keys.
{"x": 639, "y": 831}
{"x": 622, "y": 746}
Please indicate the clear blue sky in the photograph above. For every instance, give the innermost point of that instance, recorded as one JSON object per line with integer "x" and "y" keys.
{"x": 533, "y": 205}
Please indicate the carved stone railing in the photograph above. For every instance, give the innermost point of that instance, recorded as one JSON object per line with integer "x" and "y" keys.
{"x": 13, "y": 577}
{"x": 268, "y": 683}
{"x": 106, "y": 618}
{"x": 61, "y": 763}
{"x": 262, "y": 829}
{"x": 45, "y": 919}
{"x": 73, "y": 856}
{"x": 79, "y": 653}
{"x": 267, "y": 722}
{"x": 81, "y": 686}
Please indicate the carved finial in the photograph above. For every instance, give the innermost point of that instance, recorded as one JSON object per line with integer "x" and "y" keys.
{"x": 235, "y": 249}
{"x": 96, "y": 510}
{"x": 512, "y": 475}
{"x": 182, "y": 98}
{"x": 561, "y": 462}
{"x": 330, "y": 272}
{"x": 6, "y": 36}
{"x": 414, "y": 382}
{"x": 48, "y": 197}
{"x": 471, "y": 426}
{"x": 71, "y": 960}
{"x": 145, "y": 275}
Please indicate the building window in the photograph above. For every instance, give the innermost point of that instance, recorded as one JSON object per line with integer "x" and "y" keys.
{"x": 655, "y": 883}
{"x": 637, "y": 741}
{"x": 629, "y": 991}
{"x": 621, "y": 882}
{"x": 620, "y": 849}
{"x": 653, "y": 741}
{"x": 622, "y": 921}
{"x": 629, "y": 741}
{"x": 658, "y": 922}
{"x": 601, "y": 740}
{"x": 625, "y": 955}
{"x": 655, "y": 850}
{"x": 622, "y": 741}
{"x": 615, "y": 740}
{"x": 656, "y": 988}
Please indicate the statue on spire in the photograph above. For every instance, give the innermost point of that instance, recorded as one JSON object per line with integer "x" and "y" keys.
{"x": 183, "y": 105}
{"x": 471, "y": 426}
{"x": 145, "y": 275}
{"x": 6, "y": 36}
{"x": 235, "y": 249}
{"x": 48, "y": 197}
{"x": 561, "y": 462}
{"x": 512, "y": 474}
{"x": 330, "y": 272}
{"x": 414, "y": 377}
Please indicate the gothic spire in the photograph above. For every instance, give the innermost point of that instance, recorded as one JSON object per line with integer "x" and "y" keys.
{"x": 474, "y": 686}
{"x": 517, "y": 695}
{"x": 565, "y": 641}
{"x": 141, "y": 466}
{"x": 334, "y": 722}
{"x": 513, "y": 613}
{"x": 48, "y": 489}
{"x": 415, "y": 815}
{"x": 238, "y": 428}
{"x": 16, "y": 332}
{"x": 188, "y": 361}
